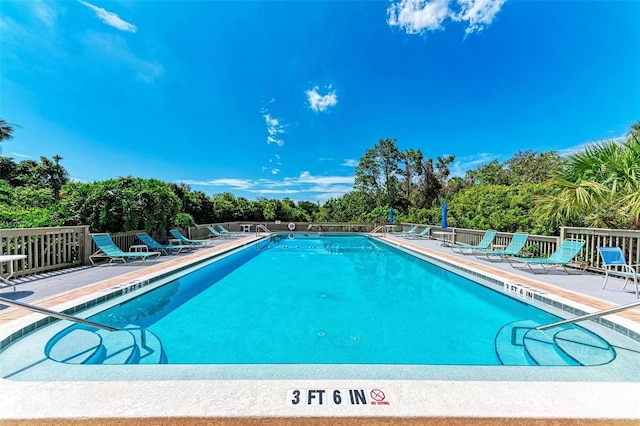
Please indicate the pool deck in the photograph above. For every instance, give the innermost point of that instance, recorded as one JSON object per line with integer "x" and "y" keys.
{"x": 438, "y": 402}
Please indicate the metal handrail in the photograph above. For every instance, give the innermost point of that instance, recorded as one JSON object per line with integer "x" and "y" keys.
{"x": 56, "y": 314}
{"x": 377, "y": 229}
{"x": 591, "y": 315}
{"x": 264, "y": 228}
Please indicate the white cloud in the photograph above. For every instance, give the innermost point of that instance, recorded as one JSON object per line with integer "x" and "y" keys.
{"x": 233, "y": 183}
{"x": 320, "y": 103}
{"x": 37, "y": 36}
{"x": 565, "y": 152}
{"x": 478, "y": 13}
{"x": 420, "y": 16}
{"x": 306, "y": 177}
{"x": 110, "y": 18}
{"x": 45, "y": 12}
{"x": 274, "y": 129}
{"x": 15, "y": 154}
{"x": 306, "y": 186}
{"x": 460, "y": 166}
{"x": 115, "y": 47}
{"x": 349, "y": 162}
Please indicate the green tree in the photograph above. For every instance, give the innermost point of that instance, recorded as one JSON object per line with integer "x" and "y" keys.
{"x": 531, "y": 167}
{"x": 7, "y": 169}
{"x": 491, "y": 173}
{"x": 6, "y": 131}
{"x": 311, "y": 209}
{"x": 429, "y": 185}
{"x": 26, "y": 173}
{"x": 184, "y": 221}
{"x": 411, "y": 173}
{"x": 377, "y": 172}
{"x": 351, "y": 207}
{"x": 500, "y": 207}
{"x": 122, "y": 204}
{"x": 223, "y": 207}
{"x": 50, "y": 175}
{"x": 597, "y": 187}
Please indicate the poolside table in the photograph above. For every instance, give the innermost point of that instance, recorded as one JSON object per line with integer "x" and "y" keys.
{"x": 446, "y": 237}
{"x": 9, "y": 258}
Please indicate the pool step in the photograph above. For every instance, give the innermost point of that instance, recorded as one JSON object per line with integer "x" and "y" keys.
{"x": 585, "y": 348}
{"x": 76, "y": 346}
{"x": 519, "y": 343}
{"x": 149, "y": 345}
{"x": 86, "y": 345}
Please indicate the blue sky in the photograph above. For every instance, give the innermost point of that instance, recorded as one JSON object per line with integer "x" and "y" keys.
{"x": 281, "y": 98}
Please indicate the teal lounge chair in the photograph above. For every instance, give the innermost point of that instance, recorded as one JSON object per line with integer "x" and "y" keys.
{"x": 513, "y": 249}
{"x": 564, "y": 254}
{"x": 225, "y": 231}
{"x": 486, "y": 241}
{"x": 614, "y": 263}
{"x": 163, "y": 248}
{"x": 412, "y": 230}
{"x": 215, "y": 233}
{"x": 419, "y": 235}
{"x": 107, "y": 249}
{"x": 186, "y": 241}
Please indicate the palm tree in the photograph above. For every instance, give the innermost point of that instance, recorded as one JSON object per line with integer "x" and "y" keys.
{"x": 597, "y": 187}
{"x": 635, "y": 130}
{"x": 5, "y": 130}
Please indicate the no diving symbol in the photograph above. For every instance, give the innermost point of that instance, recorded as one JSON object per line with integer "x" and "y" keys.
{"x": 377, "y": 394}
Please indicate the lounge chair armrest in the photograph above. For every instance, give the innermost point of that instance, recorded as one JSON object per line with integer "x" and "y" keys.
{"x": 624, "y": 268}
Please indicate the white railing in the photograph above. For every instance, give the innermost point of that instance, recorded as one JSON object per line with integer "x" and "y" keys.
{"x": 589, "y": 316}
{"x": 55, "y": 314}
{"x": 262, "y": 228}
{"x": 48, "y": 249}
{"x": 381, "y": 229}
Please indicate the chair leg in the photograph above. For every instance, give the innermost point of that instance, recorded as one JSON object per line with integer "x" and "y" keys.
{"x": 606, "y": 277}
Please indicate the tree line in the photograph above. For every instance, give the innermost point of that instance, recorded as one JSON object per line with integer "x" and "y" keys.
{"x": 532, "y": 192}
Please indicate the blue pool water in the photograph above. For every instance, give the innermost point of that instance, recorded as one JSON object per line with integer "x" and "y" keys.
{"x": 313, "y": 298}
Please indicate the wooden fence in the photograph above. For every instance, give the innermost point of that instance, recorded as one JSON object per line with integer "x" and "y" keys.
{"x": 48, "y": 249}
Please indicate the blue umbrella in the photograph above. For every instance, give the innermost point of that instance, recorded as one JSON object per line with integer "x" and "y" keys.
{"x": 390, "y": 214}
{"x": 444, "y": 215}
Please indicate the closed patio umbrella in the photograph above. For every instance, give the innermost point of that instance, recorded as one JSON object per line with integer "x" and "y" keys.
{"x": 443, "y": 224}
{"x": 390, "y": 214}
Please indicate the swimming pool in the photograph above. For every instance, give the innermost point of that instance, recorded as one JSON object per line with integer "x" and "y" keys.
{"x": 351, "y": 304}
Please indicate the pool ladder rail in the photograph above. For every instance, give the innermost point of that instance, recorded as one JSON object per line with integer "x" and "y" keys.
{"x": 56, "y": 314}
{"x": 527, "y": 342}
{"x": 380, "y": 229}
{"x": 263, "y": 228}
{"x": 90, "y": 342}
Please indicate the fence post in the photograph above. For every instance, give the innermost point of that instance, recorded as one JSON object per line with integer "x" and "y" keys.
{"x": 85, "y": 245}
{"x": 563, "y": 234}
